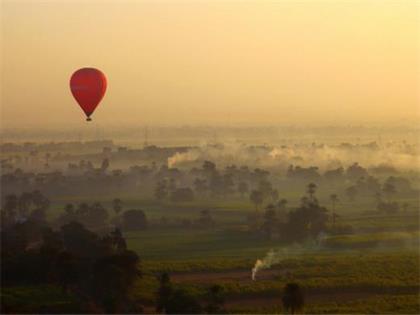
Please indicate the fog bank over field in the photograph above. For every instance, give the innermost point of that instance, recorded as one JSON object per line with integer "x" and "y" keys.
{"x": 401, "y": 156}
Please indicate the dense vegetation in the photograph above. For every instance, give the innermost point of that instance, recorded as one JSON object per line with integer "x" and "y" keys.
{"x": 156, "y": 238}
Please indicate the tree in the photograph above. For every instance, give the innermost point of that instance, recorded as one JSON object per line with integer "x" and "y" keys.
{"x": 171, "y": 301}
{"x": 282, "y": 213}
{"x": 66, "y": 268}
{"x": 388, "y": 207}
{"x": 200, "y": 186}
{"x": 334, "y": 200}
{"x": 355, "y": 172}
{"x": 113, "y": 276}
{"x": 9, "y": 212}
{"x": 334, "y": 175}
{"x": 217, "y": 184}
{"x": 311, "y": 189}
{"x": 256, "y": 198}
{"x": 164, "y": 292}
{"x": 79, "y": 241}
{"x": 172, "y": 185}
{"x": 161, "y": 191}
{"x": 401, "y": 184}
{"x": 104, "y": 165}
{"x": 24, "y": 203}
{"x": 82, "y": 209}
{"x": 11, "y": 203}
{"x": 351, "y": 193}
{"x": 281, "y": 204}
{"x": 181, "y": 302}
{"x": 69, "y": 209}
{"x": 96, "y": 216}
{"x": 215, "y": 300}
{"x": 265, "y": 188}
{"x": 389, "y": 190}
{"x": 227, "y": 184}
{"x": 378, "y": 198}
{"x": 209, "y": 167}
{"x": 243, "y": 188}
{"x": 293, "y": 298}
{"x": 134, "y": 220}
{"x": 308, "y": 220}
{"x": 117, "y": 205}
{"x": 270, "y": 221}
{"x": 38, "y": 214}
{"x": 116, "y": 241}
{"x": 274, "y": 195}
{"x": 39, "y": 200}
{"x": 96, "y": 269}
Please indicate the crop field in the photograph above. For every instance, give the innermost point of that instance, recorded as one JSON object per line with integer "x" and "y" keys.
{"x": 388, "y": 280}
{"x": 334, "y": 283}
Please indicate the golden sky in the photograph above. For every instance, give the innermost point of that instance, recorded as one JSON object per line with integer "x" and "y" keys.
{"x": 212, "y": 62}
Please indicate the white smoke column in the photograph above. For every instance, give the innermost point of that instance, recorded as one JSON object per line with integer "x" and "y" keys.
{"x": 258, "y": 265}
{"x": 275, "y": 256}
{"x": 178, "y": 157}
{"x": 272, "y": 257}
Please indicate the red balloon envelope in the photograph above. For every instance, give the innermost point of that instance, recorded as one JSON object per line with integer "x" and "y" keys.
{"x": 88, "y": 86}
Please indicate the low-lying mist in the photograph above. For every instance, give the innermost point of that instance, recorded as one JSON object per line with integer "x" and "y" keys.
{"x": 399, "y": 156}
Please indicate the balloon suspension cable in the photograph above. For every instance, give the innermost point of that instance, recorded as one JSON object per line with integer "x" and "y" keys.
{"x": 88, "y": 119}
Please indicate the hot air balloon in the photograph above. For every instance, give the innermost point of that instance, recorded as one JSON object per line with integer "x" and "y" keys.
{"x": 88, "y": 86}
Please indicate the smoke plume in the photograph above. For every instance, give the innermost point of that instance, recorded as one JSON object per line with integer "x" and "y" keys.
{"x": 276, "y": 256}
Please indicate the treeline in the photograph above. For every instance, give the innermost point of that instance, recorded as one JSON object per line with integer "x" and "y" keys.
{"x": 208, "y": 181}
{"x": 33, "y": 207}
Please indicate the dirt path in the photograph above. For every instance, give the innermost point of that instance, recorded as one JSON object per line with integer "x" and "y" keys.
{"x": 237, "y": 275}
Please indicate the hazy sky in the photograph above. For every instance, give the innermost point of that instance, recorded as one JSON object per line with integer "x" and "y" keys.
{"x": 213, "y": 62}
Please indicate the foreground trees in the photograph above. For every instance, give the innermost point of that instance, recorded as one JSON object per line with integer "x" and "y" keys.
{"x": 170, "y": 300}
{"x": 99, "y": 271}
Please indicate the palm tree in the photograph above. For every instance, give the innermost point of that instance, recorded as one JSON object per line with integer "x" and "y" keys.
{"x": 293, "y": 298}
{"x": 334, "y": 200}
{"x": 164, "y": 293}
{"x": 274, "y": 195}
{"x": 243, "y": 188}
{"x": 257, "y": 198}
{"x": 117, "y": 205}
{"x": 69, "y": 209}
{"x": 389, "y": 190}
{"x": 216, "y": 300}
{"x": 282, "y": 204}
{"x": 24, "y": 203}
{"x": 311, "y": 189}
{"x": 351, "y": 192}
